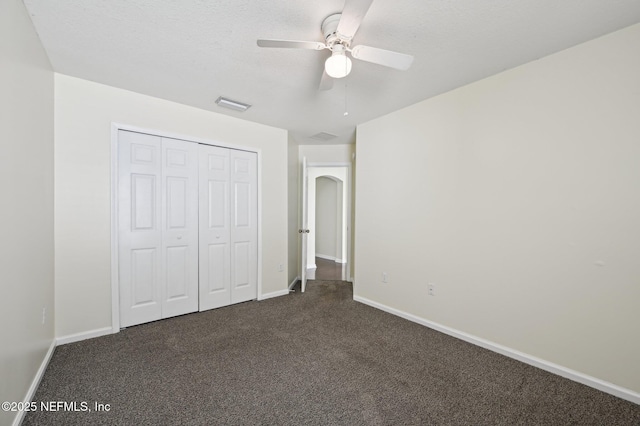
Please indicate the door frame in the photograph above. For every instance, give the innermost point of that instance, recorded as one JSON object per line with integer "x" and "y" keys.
{"x": 115, "y": 282}
{"x": 349, "y": 203}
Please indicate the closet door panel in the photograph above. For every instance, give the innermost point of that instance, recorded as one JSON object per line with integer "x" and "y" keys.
{"x": 217, "y": 268}
{"x": 179, "y": 287}
{"x": 143, "y": 264}
{"x": 244, "y": 213}
{"x": 241, "y": 264}
{"x": 177, "y": 274}
{"x": 139, "y": 231}
{"x": 215, "y": 255}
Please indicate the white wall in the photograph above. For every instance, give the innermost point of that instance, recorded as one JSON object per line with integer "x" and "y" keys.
{"x": 327, "y": 153}
{"x": 519, "y": 197}
{"x": 342, "y": 230}
{"x": 84, "y": 113}
{"x": 26, "y": 194}
{"x": 326, "y": 217}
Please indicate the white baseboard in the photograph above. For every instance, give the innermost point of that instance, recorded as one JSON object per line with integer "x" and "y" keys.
{"x": 326, "y": 257}
{"x": 295, "y": 280}
{"x": 331, "y": 258}
{"x": 71, "y": 338}
{"x": 567, "y": 373}
{"x": 31, "y": 392}
{"x": 274, "y": 294}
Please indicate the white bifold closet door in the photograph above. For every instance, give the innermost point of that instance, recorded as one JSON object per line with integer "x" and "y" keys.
{"x": 158, "y": 227}
{"x": 228, "y": 226}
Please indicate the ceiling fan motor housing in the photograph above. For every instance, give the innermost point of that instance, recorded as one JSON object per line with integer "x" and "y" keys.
{"x": 329, "y": 27}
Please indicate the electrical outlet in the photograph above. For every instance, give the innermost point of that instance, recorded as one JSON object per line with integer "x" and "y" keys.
{"x": 432, "y": 289}
{"x": 44, "y": 315}
{"x": 385, "y": 277}
{"x": 280, "y": 267}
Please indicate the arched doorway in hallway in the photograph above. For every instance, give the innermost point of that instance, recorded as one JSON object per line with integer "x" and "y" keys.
{"x": 328, "y": 216}
{"x": 330, "y": 230}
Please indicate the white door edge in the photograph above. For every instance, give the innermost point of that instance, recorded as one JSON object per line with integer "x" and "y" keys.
{"x": 303, "y": 227}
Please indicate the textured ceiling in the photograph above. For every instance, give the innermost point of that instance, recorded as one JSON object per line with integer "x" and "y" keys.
{"x": 192, "y": 51}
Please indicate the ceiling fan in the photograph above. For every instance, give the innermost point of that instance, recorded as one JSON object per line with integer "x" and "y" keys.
{"x": 339, "y": 29}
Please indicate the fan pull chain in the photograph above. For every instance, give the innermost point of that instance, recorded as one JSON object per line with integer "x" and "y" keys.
{"x": 346, "y": 112}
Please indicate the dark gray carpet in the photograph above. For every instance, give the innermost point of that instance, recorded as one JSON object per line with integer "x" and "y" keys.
{"x": 315, "y": 358}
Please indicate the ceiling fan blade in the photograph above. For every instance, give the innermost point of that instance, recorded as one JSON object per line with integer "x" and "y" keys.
{"x": 326, "y": 83}
{"x": 399, "y": 61}
{"x": 352, "y": 16}
{"x": 292, "y": 44}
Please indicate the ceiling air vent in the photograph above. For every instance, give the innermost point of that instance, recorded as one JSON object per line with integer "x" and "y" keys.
{"x": 323, "y": 136}
{"x": 234, "y": 105}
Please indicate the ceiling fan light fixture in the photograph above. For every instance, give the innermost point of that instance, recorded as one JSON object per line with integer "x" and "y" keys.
{"x": 338, "y": 65}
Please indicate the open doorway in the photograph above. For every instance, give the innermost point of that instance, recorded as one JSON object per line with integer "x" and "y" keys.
{"x": 329, "y": 215}
{"x": 331, "y": 238}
